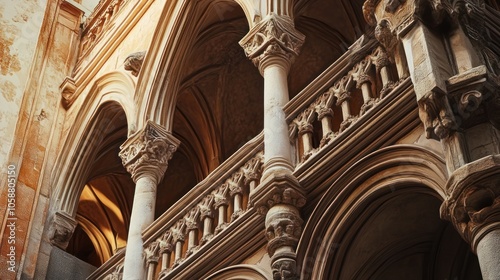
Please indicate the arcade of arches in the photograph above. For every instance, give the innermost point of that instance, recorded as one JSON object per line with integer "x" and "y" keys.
{"x": 251, "y": 139}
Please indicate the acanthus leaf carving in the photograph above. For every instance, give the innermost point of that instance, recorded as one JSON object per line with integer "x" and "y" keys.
{"x": 220, "y": 196}
{"x": 473, "y": 203}
{"x": 191, "y": 219}
{"x": 235, "y": 183}
{"x": 206, "y": 207}
{"x": 165, "y": 243}
{"x": 252, "y": 169}
{"x": 304, "y": 121}
{"x": 148, "y": 151}
{"x": 342, "y": 89}
{"x": 178, "y": 231}
{"x": 273, "y": 36}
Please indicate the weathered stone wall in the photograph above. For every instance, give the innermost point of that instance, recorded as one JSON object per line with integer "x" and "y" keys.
{"x": 39, "y": 45}
{"x": 20, "y": 23}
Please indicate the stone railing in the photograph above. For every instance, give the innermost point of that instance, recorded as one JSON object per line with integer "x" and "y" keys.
{"x": 361, "y": 78}
{"x": 97, "y": 22}
{"x": 330, "y": 106}
{"x": 202, "y": 214}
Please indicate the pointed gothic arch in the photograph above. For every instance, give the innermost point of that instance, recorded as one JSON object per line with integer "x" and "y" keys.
{"x": 403, "y": 184}
{"x": 109, "y": 100}
{"x": 346, "y": 217}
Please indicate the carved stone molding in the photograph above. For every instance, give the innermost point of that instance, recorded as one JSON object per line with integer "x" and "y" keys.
{"x": 473, "y": 203}
{"x": 283, "y": 228}
{"x": 152, "y": 252}
{"x": 285, "y": 268}
{"x": 206, "y": 207}
{"x": 277, "y": 189}
{"x": 148, "y": 152}
{"x": 275, "y": 36}
{"x": 280, "y": 197}
{"x": 134, "y": 61}
{"x": 385, "y": 35}
{"x": 67, "y": 90}
{"x": 436, "y": 114}
{"x": 61, "y": 229}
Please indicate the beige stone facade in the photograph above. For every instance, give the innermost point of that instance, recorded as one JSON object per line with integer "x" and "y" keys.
{"x": 250, "y": 139}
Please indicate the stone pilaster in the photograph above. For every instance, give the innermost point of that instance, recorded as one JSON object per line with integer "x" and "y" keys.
{"x": 273, "y": 45}
{"x": 145, "y": 155}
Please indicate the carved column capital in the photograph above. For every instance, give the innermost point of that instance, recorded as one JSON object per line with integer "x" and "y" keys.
{"x": 148, "y": 152}
{"x": 67, "y": 90}
{"x": 473, "y": 203}
{"x": 235, "y": 184}
{"x": 178, "y": 231}
{"x": 273, "y": 37}
{"x": 61, "y": 229}
{"x": 152, "y": 251}
{"x": 206, "y": 207}
{"x": 165, "y": 243}
{"x": 278, "y": 189}
{"x": 191, "y": 219}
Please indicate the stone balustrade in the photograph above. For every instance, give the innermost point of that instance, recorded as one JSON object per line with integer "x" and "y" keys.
{"x": 211, "y": 206}
{"x": 341, "y": 96}
{"x": 362, "y": 83}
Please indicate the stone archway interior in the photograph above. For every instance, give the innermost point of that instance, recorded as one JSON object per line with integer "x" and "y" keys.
{"x": 404, "y": 238}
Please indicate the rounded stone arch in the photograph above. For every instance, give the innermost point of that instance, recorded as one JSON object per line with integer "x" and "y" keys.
{"x": 160, "y": 78}
{"x": 396, "y": 171}
{"x": 240, "y": 272}
{"x": 109, "y": 99}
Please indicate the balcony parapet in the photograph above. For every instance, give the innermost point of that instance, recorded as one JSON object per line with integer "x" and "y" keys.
{"x": 203, "y": 214}
{"x": 347, "y": 90}
{"x": 362, "y": 81}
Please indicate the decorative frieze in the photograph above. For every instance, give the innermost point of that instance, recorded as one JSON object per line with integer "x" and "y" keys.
{"x": 148, "y": 151}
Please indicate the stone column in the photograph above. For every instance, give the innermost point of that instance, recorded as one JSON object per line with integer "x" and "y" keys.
{"x": 145, "y": 155}
{"x": 272, "y": 45}
{"x": 473, "y": 206}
